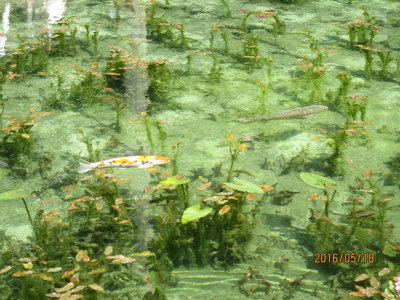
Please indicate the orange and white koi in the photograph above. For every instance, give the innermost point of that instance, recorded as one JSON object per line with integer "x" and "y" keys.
{"x": 142, "y": 161}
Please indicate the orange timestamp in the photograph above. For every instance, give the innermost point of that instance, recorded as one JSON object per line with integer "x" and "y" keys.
{"x": 348, "y": 258}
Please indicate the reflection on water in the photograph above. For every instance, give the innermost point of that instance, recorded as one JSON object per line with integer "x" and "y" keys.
{"x": 55, "y": 10}
{"x": 292, "y": 208}
{"x": 5, "y": 27}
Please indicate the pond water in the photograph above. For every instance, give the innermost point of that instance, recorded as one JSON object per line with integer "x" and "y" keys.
{"x": 291, "y": 208}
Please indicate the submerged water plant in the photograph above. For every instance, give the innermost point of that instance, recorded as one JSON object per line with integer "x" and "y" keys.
{"x": 215, "y": 231}
{"x": 361, "y": 32}
{"x": 160, "y": 81}
{"x": 235, "y": 147}
{"x": 18, "y": 141}
{"x": 119, "y": 108}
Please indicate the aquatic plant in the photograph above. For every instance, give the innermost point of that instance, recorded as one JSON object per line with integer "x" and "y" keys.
{"x": 83, "y": 254}
{"x": 290, "y": 1}
{"x": 252, "y": 284}
{"x": 181, "y": 41}
{"x": 89, "y": 89}
{"x": 18, "y": 142}
{"x": 355, "y": 107}
{"x": 264, "y": 88}
{"x": 189, "y": 60}
{"x": 59, "y": 98}
{"x": 215, "y": 71}
{"x": 225, "y": 37}
{"x": 215, "y": 232}
{"x": 251, "y": 51}
{"x": 393, "y": 176}
{"x": 162, "y": 135}
{"x": 94, "y": 154}
{"x": 297, "y": 162}
{"x": 361, "y": 32}
{"x": 175, "y": 154}
{"x": 337, "y": 98}
{"x": 235, "y": 147}
{"x": 314, "y": 77}
{"x": 160, "y": 82}
{"x": 148, "y": 124}
{"x": 314, "y": 68}
{"x": 1, "y": 111}
{"x": 337, "y": 142}
{"x": 120, "y": 106}
{"x": 383, "y": 284}
{"x": 243, "y": 26}
{"x": 63, "y": 41}
{"x": 368, "y": 68}
{"x": 228, "y": 10}
{"x": 278, "y": 25}
{"x": 326, "y": 184}
{"x": 385, "y": 57}
{"x": 341, "y": 243}
{"x": 115, "y": 71}
{"x": 30, "y": 57}
{"x": 268, "y": 63}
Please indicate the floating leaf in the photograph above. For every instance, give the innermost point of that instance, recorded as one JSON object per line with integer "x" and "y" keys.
{"x": 194, "y": 213}
{"x": 15, "y": 194}
{"x": 316, "y": 180}
{"x": 174, "y": 180}
{"x": 244, "y": 186}
{"x": 96, "y": 287}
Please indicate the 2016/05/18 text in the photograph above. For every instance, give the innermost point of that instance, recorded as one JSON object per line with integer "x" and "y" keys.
{"x": 323, "y": 258}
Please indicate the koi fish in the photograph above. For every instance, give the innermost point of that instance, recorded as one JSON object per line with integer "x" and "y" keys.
{"x": 142, "y": 161}
{"x": 289, "y": 114}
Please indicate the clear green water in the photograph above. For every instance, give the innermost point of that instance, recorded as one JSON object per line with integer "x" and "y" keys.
{"x": 194, "y": 101}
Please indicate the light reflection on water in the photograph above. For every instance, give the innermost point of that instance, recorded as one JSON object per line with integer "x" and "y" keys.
{"x": 201, "y": 110}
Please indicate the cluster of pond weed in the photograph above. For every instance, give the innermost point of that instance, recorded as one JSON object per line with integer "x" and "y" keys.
{"x": 211, "y": 245}
{"x": 89, "y": 248}
{"x": 81, "y": 251}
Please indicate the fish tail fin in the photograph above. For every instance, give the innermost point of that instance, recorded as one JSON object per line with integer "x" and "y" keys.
{"x": 85, "y": 166}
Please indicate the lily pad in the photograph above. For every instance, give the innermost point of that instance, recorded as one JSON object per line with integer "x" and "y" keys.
{"x": 194, "y": 213}
{"x": 15, "y": 194}
{"x": 244, "y": 186}
{"x": 316, "y": 180}
{"x": 173, "y": 180}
